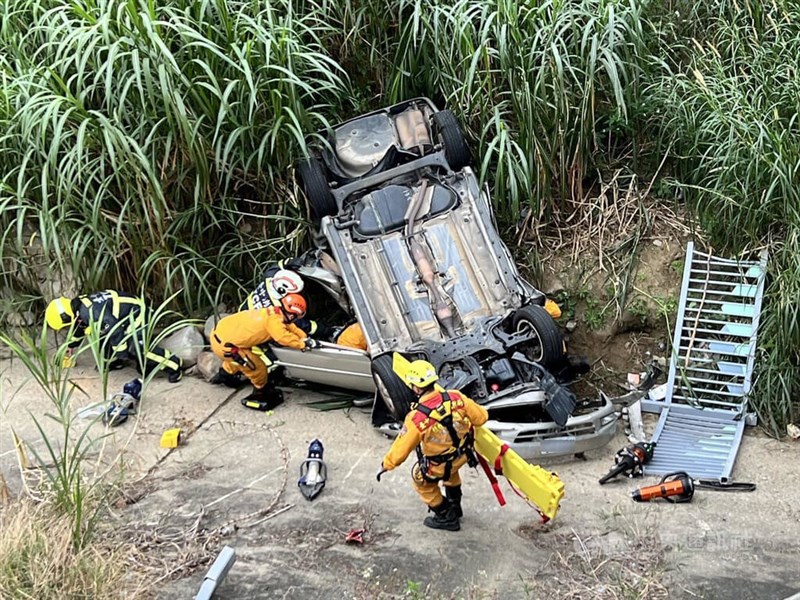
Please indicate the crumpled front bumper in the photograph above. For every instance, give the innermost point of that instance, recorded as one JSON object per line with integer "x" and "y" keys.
{"x": 581, "y": 433}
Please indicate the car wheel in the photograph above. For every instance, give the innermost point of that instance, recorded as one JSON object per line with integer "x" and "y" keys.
{"x": 395, "y": 394}
{"x": 311, "y": 178}
{"x": 455, "y": 145}
{"x": 547, "y": 348}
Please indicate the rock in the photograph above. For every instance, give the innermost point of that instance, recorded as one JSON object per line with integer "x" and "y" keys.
{"x": 658, "y": 243}
{"x": 211, "y": 322}
{"x": 208, "y": 365}
{"x": 187, "y": 343}
{"x": 23, "y": 319}
{"x": 571, "y": 326}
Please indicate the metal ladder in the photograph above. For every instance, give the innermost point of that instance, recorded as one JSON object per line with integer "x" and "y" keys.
{"x": 704, "y": 412}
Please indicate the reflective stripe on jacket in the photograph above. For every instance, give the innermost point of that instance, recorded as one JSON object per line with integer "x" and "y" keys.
{"x": 117, "y": 314}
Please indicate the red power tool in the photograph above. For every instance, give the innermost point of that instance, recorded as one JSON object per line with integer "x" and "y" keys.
{"x": 679, "y": 487}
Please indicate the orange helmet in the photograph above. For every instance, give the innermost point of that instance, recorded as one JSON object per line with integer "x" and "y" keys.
{"x": 294, "y": 305}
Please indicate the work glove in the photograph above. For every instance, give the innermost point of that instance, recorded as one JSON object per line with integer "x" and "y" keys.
{"x": 311, "y": 343}
{"x": 381, "y": 472}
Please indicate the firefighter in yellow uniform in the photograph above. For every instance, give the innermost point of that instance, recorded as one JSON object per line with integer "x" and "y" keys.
{"x": 121, "y": 320}
{"x": 352, "y": 336}
{"x": 236, "y": 340}
{"x": 439, "y": 427}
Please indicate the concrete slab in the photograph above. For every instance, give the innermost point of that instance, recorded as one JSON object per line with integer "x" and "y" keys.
{"x": 242, "y": 461}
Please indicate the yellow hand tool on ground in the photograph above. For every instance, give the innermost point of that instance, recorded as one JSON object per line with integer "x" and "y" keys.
{"x": 171, "y": 438}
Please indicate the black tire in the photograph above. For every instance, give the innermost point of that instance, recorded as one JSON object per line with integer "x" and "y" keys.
{"x": 395, "y": 394}
{"x": 455, "y": 145}
{"x": 312, "y": 180}
{"x": 549, "y": 351}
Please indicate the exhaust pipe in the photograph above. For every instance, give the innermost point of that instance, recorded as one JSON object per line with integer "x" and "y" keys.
{"x": 442, "y": 309}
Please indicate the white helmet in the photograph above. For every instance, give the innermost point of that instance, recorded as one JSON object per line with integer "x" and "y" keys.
{"x": 287, "y": 282}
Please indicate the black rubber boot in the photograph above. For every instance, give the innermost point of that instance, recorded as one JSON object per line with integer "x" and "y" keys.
{"x": 453, "y": 494}
{"x": 264, "y": 399}
{"x": 175, "y": 376}
{"x": 226, "y": 379}
{"x": 444, "y": 517}
{"x": 116, "y": 365}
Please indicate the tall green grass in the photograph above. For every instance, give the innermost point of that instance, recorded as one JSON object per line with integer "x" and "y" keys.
{"x": 536, "y": 82}
{"x": 148, "y": 146}
{"x": 137, "y": 139}
{"x": 731, "y": 112}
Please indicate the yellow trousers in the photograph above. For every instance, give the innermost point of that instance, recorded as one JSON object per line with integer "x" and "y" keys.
{"x": 429, "y": 491}
{"x": 255, "y": 370}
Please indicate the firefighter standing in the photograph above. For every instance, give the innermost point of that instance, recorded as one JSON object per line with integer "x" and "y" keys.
{"x": 121, "y": 319}
{"x": 236, "y": 340}
{"x": 439, "y": 427}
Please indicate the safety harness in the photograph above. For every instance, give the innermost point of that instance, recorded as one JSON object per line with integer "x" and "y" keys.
{"x": 461, "y": 445}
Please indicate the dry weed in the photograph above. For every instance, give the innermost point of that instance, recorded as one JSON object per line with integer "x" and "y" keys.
{"x": 627, "y": 562}
{"x": 38, "y": 558}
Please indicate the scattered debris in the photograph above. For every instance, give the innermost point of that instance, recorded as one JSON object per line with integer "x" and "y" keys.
{"x": 217, "y": 573}
{"x": 185, "y": 343}
{"x": 571, "y": 326}
{"x": 793, "y": 431}
{"x": 355, "y": 536}
{"x": 634, "y": 379}
{"x": 659, "y": 392}
{"x": 92, "y": 411}
{"x": 635, "y": 425}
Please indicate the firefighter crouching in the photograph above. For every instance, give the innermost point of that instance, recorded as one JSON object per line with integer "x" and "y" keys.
{"x": 236, "y": 340}
{"x": 439, "y": 426}
{"x": 121, "y": 319}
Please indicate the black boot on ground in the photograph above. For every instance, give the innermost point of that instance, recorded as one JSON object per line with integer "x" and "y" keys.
{"x": 175, "y": 376}
{"x": 444, "y": 517}
{"x": 453, "y": 494}
{"x": 265, "y": 398}
{"x": 226, "y": 379}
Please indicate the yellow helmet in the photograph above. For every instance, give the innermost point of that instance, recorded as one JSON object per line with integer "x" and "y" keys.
{"x": 59, "y": 313}
{"x": 420, "y": 373}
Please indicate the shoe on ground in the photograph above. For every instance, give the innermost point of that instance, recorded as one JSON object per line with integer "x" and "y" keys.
{"x": 224, "y": 378}
{"x": 175, "y": 376}
{"x": 264, "y": 399}
{"x": 444, "y": 517}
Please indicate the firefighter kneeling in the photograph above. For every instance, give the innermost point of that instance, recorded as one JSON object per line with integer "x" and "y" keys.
{"x": 440, "y": 428}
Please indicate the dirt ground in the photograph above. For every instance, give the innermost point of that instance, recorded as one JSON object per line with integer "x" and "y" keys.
{"x": 614, "y": 264}
{"x": 234, "y": 482}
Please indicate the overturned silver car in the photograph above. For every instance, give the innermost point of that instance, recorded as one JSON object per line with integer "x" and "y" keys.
{"x": 407, "y": 244}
